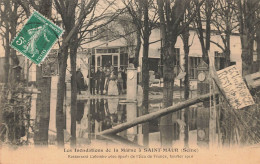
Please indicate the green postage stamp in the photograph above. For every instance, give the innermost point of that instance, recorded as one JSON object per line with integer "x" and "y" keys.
{"x": 36, "y": 38}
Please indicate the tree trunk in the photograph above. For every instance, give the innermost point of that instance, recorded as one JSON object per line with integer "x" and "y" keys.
{"x": 166, "y": 122}
{"x": 246, "y": 21}
{"x": 227, "y": 50}
{"x": 61, "y": 89}
{"x": 200, "y": 35}
{"x": 137, "y": 48}
{"x": 43, "y": 98}
{"x": 5, "y": 15}
{"x": 68, "y": 16}
{"x": 13, "y": 24}
{"x": 145, "y": 66}
{"x": 186, "y": 84}
{"x": 73, "y": 110}
{"x": 166, "y": 130}
{"x": 208, "y": 21}
{"x": 247, "y": 53}
{"x": 7, "y": 54}
{"x": 42, "y": 109}
{"x": 228, "y": 32}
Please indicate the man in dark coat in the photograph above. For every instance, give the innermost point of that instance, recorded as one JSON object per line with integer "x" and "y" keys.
{"x": 120, "y": 81}
{"x": 102, "y": 77}
{"x": 80, "y": 80}
{"x": 92, "y": 81}
{"x": 97, "y": 77}
{"x": 124, "y": 78}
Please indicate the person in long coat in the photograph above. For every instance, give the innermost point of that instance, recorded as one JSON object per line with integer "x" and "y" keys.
{"x": 124, "y": 78}
{"x": 120, "y": 81}
{"x": 92, "y": 81}
{"x": 102, "y": 77}
{"x": 79, "y": 80}
{"x": 97, "y": 77}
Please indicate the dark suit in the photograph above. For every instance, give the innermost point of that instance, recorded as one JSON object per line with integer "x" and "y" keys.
{"x": 102, "y": 81}
{"x": 97, "y": 77}
{"x": 92, "y": 82}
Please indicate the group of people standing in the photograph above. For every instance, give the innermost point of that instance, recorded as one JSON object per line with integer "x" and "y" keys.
{"x": 107, "y": 81}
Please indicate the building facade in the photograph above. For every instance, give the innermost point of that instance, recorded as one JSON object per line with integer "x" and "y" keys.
{"x": 117, "y": 53}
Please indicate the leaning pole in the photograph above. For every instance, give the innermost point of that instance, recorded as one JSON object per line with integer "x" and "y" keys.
{"x": 151, "y": 116}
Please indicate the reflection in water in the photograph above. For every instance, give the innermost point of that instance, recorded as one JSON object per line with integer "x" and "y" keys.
{"x": 100, "y": 117}
{"x": 166, "y": 130}
{"x": 96, "y": 115}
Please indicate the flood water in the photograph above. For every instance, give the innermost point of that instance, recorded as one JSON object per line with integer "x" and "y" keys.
{"x": 98, "y": 114}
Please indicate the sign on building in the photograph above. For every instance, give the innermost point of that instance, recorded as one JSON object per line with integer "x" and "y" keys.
{"x": 50, "y": 65}
{"x": 234, "y": 87}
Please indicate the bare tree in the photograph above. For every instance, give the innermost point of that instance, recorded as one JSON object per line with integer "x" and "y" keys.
{"x": 247, "y": 11}
{"x": 131, "y": 35}
{"x": 15, "y": 16}
{"x": 225, "y": 22}
{"x": 171, "y": 15}
{"x": 135, "y": 11}
{"x": 205, "y": 13}
{"x": 6, "y": 36}
{"x": 186, "y": 46}
{"x": 10, "y": 17}
{"x": 43, "y": 83}
{"x": 77, "y": 28}
{"x": 144, "y": 19}
{"x": 67, "y": 10}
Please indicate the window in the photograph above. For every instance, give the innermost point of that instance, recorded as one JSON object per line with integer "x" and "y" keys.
{"x": 115, "y": 63}
{"x": 124, "y": 60}
{"x": 113, "y": 50}
{"x": 101, "y": 50}
{"x": 110, "y": 50}
{"x": 115, "y": 60}
{"x": 219, "y": 60}
{"x": 92, "y": 60}
{"x": 98, "y": 61}
{"x": 106, "y": 60}
{"x": 123, "y": 50}
{"x": 193, "y": 63}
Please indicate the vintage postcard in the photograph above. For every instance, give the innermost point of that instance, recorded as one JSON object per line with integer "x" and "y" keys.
{"x": 129, "y": 81}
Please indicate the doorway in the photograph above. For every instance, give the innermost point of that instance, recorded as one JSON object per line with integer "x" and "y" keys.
{"x": 106, "y": 60}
